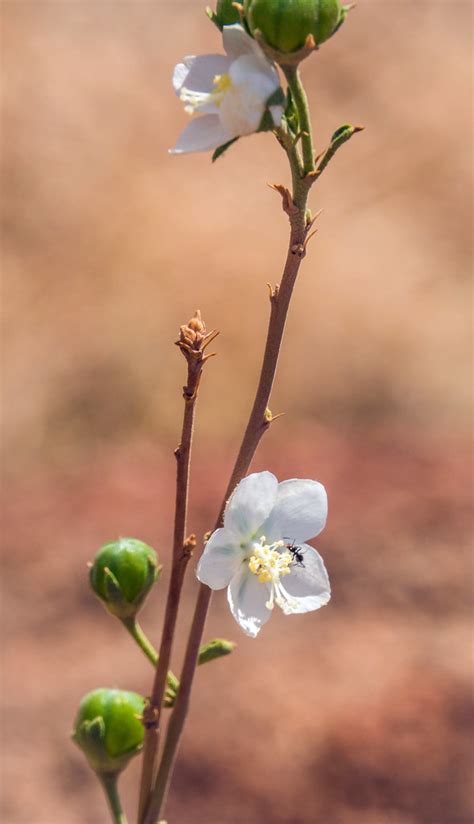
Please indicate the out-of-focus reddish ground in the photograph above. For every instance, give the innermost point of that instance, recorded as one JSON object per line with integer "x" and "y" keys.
{"x": 361, "y": 713}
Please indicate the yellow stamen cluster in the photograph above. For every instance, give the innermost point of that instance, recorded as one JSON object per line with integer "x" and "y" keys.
{"x": 222, "y": 82}
{"x": 268, "y": 563}
{"x": 194, "y": 100}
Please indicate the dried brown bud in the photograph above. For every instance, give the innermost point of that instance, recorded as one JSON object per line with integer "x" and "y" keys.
{"x": 193, "y": 333}
{"x": 196, "y": 323}
{"x": 193, "y": 337}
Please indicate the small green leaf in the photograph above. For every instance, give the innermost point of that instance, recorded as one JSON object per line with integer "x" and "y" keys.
{"x": 345, "y": 132}
{"x": 215, "y": 649}
{"x": 340, "y": 136}
{"x": 221, "y": 149}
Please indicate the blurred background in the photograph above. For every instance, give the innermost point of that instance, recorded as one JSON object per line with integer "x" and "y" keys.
{"x": 359, "y": 714}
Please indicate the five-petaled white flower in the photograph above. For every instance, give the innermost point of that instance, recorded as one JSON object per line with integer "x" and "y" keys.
{"x": 260, "y": 554}
{"x": 231, "y": 91}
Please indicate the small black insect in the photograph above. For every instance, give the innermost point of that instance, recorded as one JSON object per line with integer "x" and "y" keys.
{"x": 297, "y": 553}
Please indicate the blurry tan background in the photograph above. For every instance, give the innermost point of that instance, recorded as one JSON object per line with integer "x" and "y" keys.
{"x": 359, "y": 714}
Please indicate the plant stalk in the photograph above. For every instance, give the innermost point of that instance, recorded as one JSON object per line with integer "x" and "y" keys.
{"x": 301, "y": 102}
{"x": 181, "y": 556}
{"x": 133, "y": 627}
{"x": 258, "y": 423}
{"x": 109, "y": 783}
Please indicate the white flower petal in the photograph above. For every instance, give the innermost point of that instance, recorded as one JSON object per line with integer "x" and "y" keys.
{"x": 237, "y": 42}
{"x": 200, "y": 135}
{"x": 198, "y": 73}
{"x": 300, "y": 511}
{"x": 247, "y": 598}
{"x": 308, "y": 585}
{"x": 257, "y": 76}
{"x": 242, "y": 108}
{"x": 180, "y": 73}
{"x": 250, "y": 504}
{"x": 220, "y": 560}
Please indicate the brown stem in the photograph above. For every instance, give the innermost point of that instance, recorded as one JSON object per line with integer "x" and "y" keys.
{"x": 192, "y": 345}
{"x": 258, "y": 423}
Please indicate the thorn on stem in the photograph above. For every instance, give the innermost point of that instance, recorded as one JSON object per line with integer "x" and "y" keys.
{"x": 269, "y": 417}
{"x": 287, "y": 202}
{"x": 273, "y": 292}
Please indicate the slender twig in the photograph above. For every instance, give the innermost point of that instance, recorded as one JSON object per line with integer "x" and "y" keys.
{"x": 299, "y": 97}
{"x": 109, "y": 783}
{"x": 192, "y": 342}
{"x": 135, "y": 630}
{"x": 289, "y": 145}
{"x": 258, "y": 423}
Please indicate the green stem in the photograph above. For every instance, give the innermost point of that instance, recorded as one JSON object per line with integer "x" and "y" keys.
{"x": 301, "y": 102}
{"x": 135, "y": 630}
{"x": 288, "y": 143}
{"x": 133, "y": 627}
{"x": 109, "y": 783}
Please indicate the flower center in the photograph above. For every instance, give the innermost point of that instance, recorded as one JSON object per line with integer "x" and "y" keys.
{"x": 194, "y": 100}
{"x": 269, "y": 564}
{"x": 222, "y": 83}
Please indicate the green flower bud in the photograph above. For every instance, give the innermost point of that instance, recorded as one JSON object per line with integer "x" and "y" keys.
{"x": 225, "y": 14}
{"x": 285, "y": 25}
{"x": 108, "y": 728}
{"x": 122, "y": 575}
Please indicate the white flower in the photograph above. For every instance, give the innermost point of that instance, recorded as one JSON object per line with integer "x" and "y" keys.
{"x": 260, "y": 554}
{"x": 231, "y": 91}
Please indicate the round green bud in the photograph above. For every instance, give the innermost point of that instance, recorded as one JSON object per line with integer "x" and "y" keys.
{"x": 285, "y": 25}
{"x": 226, "y": 12}
{"x": 108, "y": 728}
{"x": 122, "y": 575}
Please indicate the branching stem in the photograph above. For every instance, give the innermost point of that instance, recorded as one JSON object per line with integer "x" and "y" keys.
{"x": 257, "y": 425}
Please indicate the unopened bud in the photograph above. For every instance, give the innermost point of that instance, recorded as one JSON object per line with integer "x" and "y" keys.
{"x": 108, "y": 728}
{"x": 196, "y": 323}
{"x": 286, "y": 25}
{"x": 122, "y": 575}
{"x": 227, "y": 13}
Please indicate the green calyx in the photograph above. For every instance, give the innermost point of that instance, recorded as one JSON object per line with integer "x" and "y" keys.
{"x": 285, "y": 25}
{"x": 108, "y": 728}
{"x": 122, "y": 575}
